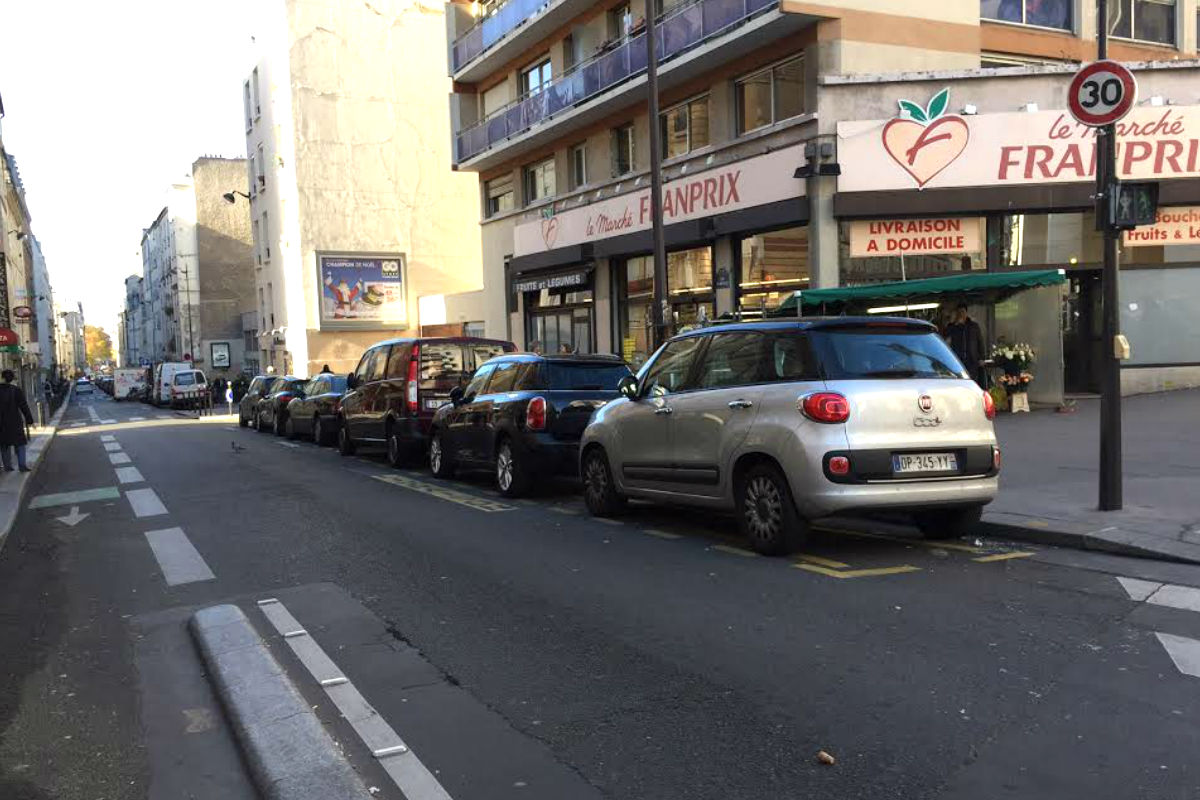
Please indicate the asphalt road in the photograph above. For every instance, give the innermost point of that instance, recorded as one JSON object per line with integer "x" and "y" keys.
{"x": 523, "y": 649}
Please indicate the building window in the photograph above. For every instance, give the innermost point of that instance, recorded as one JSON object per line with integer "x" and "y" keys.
{"x": 262, "y": 169}
{"x": 771, "y": 95}
{"x": 689, "y": 290}
{"x": 266, "y": 238}
{"x": 773, "y": 266}
{"x": 559, "y": 322}
{"x": 620, "y": 21}
{"x": 255, "y": 96}
{"x": 536, "y": 78}
{"x": 498, "y": 196}
{"x": 246, "y": 106}
{"x": 1145, "y": 20}
{"x": 622, "y": 140}
{"x": 1043, "y": 13}
{"x": 539, "y": 180}
{"x": 1001, "y": 60}
{"x": 257, "y": 238}
{"x": 685, "y": 127}
{"x": 577, "y": 158}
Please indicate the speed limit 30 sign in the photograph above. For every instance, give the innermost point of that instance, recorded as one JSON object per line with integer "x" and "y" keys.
{"x": 1101, "y": 93}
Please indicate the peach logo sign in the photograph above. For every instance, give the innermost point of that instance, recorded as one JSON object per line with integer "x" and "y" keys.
{"x": 925, "y": 140}
{"x": 549, "y": 231}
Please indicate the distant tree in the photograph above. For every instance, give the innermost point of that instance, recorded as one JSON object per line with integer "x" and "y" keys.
{"x": 98, "y": 344}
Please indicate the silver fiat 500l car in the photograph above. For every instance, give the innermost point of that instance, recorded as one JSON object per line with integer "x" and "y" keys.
{"x": 787, "y": 421}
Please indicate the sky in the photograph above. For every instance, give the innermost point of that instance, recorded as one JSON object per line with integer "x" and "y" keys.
{"x": 106, "y": 104}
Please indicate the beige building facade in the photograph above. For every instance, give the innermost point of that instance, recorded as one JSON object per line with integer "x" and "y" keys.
{"x": 764, "y": 105}
{"x": 355, "y": 213}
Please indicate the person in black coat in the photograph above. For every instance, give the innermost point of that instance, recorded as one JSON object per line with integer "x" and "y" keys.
{"x": 966, "y": 340}
{"x": 14, "y": 418}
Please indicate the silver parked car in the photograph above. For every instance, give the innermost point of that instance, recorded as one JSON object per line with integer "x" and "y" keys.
{"x": 786, "y": 421}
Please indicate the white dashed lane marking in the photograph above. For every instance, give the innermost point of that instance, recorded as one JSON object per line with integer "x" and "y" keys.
{"x": 112, "y": 447}
{"x": 179, "y": 561}
{"x": 129, "y": 475}
{"x": 145, "y": 503}
{"x": 118, "y": 458}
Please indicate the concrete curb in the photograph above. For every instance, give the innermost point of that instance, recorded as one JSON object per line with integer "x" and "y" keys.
{"x": 291, "y": 756}
{"x": 1113, "y": 540}
{"x": 10, "y": 514}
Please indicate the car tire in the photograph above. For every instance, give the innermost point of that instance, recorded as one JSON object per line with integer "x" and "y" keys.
{"x": 397, "y": 454}
{"x": 242, "y": 422}
{"x": 279, "y": 424}
{"x": 346, "y": 445}
{"x": 253, "y": 423}
{"x": 767, "y": 515}
{"x": 948, "y": 523}
{"x": 600, "y": 493}
{"x": 318, "y": 431}
{"x": 263, "y": 426}
{"x": 440, "y": 462}
{"x": 512, "y": 473}
{"x": 289, "y": 427}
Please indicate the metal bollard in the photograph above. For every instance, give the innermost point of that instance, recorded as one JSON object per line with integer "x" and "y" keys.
{"x": 41, "y": 415}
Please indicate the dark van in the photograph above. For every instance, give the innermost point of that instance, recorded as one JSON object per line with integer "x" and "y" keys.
{"x": 399, "y": 384}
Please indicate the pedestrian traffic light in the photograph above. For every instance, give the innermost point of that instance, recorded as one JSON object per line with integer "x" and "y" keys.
{"x": 1131, "y": 205}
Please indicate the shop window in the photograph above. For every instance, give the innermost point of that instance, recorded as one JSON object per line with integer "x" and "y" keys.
{"x": 539, "y": 180}
{"x": 1043, "y": 13}
{"x": 689, "y": 290}
{"x": 498, "y": 196}
{"x": 1146, "y": 20}
{"x": 685, "y": 127}
{"x": 1055, "y": 240}
{"x": 622, "y": 148}
{"x": 536, "y": 78}
{"x": 577, "y": 158}
{"x": 773, "y": 266}
{"x": 689, "y": 272}
{"x": 559, "y": 322}
{"x": 771, "y": 95}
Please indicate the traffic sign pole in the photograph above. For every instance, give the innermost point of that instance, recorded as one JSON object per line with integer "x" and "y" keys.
{"x": 1110, "y": 389}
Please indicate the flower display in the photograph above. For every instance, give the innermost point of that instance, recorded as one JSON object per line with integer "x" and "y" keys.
{"x": 1014, "y": 358}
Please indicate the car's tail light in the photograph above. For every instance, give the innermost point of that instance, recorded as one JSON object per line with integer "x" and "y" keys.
{"x": 535, "y": 414}
{"x": 829, "y": 407}
{"x": 995, "y": 458}
{"x": 414, "y": 364}
{"x": 989, "y": 406}
{"x": 839, "y": 465}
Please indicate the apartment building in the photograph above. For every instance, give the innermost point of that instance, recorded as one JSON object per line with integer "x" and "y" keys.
{"x": 132, "y": 329}
{"x": 771, "y": 119}
{"x": 197, "y": 272}
{"x": 355, "y": 212}
{"x": 20, "y": 257}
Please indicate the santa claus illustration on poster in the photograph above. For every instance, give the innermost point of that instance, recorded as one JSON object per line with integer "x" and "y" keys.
{"x": 361, "y": 289}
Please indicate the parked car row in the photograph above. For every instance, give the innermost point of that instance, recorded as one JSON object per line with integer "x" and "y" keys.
{"x": 780, "y": 422}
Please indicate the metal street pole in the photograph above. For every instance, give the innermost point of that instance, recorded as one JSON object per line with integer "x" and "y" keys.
{"x": 1110, "y": 388}
{"x": 662, "y": 306}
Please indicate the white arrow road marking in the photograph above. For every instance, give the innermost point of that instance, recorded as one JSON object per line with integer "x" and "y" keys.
{"x": 74, "y": 518}
{"x": 179, "y": 561}
{"x": 1184, "y": 652}
{"x": 145, "y": 503}
{"x": 1139, "y": 590}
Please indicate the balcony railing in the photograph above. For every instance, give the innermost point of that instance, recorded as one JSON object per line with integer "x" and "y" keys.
{"x": 492, "y": 28}
{"x": 678, "y": 31}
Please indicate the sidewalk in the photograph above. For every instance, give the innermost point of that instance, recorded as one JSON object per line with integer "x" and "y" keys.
{"x": 12, "y": 484}
{"x": 1048, "y": 487}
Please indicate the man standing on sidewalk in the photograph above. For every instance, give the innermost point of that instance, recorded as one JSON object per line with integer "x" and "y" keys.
{"x": 966, "y": 340}
{"x": 14, "y": 418}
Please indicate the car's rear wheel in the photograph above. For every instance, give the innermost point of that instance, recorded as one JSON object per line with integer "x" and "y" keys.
{"x": 440, "y": 462}
{"x": 279, "y": 423}
{"x": 346, "y": 444}
{"x": 396, "y": 453}
{"x": 766, "y": 512}
{"x": 512, "y": 476}
{"x": 948, "y": 523}
{"x": 289, "y": 427}
{"x": 318, "y": 430}
{"x": 600, "y": 493}
{"x": 242, "y": 421}
{"x": 254, "y": 419}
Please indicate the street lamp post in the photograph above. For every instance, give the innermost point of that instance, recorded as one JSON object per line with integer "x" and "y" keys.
{"x": 662, "y": 306}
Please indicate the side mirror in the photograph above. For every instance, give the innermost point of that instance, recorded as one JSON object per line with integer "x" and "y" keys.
{"x": 351, "y": 381}
{"x": 628, "y": 387}
{"x": 456, "y": 395}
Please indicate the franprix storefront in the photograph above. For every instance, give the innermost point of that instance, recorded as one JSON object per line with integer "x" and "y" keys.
{"x": 582, "y": 278}
{"x": 927, "y": 190}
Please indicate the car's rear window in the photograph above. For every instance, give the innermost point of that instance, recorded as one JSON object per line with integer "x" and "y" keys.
{"x": 880, "y": 353}
{"x": 583, "y": 377}
{"x": 442, "y": 366}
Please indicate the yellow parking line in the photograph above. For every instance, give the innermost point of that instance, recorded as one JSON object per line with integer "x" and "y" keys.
{"x": 824, "y": 562}
{"x": 1001, "y": 557}
{"x": 857, "y": 573}
{"x": 937, "y": 545}
{"x": 662, "y": 534}
{"x": 442, "y": 493}
{"x": 737, "y": 551}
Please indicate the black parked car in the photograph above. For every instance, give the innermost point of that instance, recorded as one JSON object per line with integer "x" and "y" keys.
{"x": 399, "y": 385}
{"x": 315, "y": 412}
{"x": 260, "y": 387}
{"x": 522, "y": 416}
{"x": 272, "y": 409}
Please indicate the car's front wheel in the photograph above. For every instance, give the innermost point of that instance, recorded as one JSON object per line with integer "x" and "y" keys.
{"x": 766, "y": 513}
{"x": 242, "y": 421}
{"x": 289, "y": 427}
{"x": 600, "y": 493}
{"x": 346, "y": 444}
{"x": 440, "y": 462}
{"x": 512, "y": 476}
{"x": 948, "y": 523}
{"x": 318, "y": 430}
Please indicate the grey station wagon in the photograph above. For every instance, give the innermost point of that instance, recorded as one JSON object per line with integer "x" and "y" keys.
{"x": 784, "y": 422}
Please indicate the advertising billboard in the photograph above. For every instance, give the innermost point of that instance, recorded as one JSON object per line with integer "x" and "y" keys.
{"x": 362, "y": 291}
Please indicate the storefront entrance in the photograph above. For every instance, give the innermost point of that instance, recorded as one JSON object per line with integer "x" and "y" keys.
{"x": 1082, "y": 333}
{"x": 559, "y": 322}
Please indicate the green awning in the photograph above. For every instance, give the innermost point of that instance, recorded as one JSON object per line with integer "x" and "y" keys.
{"x": 970, "y": 287}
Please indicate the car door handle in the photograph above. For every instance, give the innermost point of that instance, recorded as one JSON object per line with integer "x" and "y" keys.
{"x": 741, "y": 403}
{"x": 664, "y": 410}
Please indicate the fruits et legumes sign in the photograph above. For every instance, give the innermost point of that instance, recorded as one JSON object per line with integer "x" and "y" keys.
{"x": 927, "y": 147}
